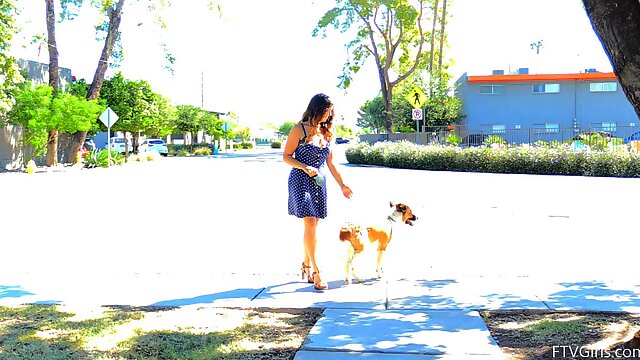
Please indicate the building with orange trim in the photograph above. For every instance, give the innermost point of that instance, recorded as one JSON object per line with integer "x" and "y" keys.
{"x": 526, "y": 107}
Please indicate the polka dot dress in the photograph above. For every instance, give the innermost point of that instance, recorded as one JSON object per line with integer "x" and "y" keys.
{"x": 306, "y": 198}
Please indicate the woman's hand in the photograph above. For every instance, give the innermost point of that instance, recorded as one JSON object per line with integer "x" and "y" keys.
{"x": 311, "y": 171}
{"x": 346, "y": 191}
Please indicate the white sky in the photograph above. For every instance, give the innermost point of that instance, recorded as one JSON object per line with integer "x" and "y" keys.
{"x": 260, "y": 61}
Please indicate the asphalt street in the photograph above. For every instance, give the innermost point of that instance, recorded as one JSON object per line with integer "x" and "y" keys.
{"x": 228, "y": 214}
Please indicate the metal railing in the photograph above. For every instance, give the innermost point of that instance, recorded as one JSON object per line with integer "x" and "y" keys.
{"x": 474, "y": 137}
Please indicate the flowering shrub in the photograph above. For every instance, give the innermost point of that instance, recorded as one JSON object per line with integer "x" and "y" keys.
{"x": 545, "y": 159}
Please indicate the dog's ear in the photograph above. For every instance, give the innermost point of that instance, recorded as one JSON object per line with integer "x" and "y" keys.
{"x": 345, "y": 234}
{"x": 391, "y": 204}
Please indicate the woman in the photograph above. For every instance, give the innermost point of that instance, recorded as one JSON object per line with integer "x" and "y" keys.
{"x": 307, "y": 150}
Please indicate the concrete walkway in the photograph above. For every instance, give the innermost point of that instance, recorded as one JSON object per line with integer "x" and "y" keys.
{"x": 401, "y": 319}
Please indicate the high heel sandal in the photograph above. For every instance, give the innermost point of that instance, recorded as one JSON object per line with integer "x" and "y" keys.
{"x": 317, "y": 282}
{"x": 306, "y": 270}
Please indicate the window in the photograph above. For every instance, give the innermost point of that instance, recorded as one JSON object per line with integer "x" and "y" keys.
{"x": 603, "y": 86}
{"x": 609, "y": 126}
{"x": 552, "y": 128}
{"x": 499, "y": 129}
{"x": 546, "y": 88}
{"x": 491, "y": 89}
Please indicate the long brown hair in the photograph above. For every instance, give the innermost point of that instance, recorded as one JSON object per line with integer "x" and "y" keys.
{"x": 315, "y": 110}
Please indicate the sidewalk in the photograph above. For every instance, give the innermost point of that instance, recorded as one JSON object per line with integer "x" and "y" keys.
{"x": 388, "y": 319}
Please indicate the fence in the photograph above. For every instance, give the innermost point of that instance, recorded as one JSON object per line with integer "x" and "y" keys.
{"x": 475, "y": 137}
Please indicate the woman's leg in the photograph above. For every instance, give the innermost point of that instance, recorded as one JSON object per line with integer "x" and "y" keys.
{"x": 310, "y": 225}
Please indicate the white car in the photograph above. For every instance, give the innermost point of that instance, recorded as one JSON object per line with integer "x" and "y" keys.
{"x": 157, "y": 145}
{"x": 117, "y": 144}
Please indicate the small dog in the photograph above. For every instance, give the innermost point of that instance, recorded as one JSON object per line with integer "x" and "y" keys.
{"x": 381, "y": 234}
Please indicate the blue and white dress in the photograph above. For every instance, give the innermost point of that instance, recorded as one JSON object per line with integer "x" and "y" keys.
{"x": 306, "y": 198}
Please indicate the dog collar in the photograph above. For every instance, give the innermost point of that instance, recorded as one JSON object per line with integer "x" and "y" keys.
{"x": 391, "y": 219}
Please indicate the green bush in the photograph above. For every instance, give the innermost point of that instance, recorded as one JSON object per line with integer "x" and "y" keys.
{"x": 453, "y": 140}
{"x": 202, "y": 151}
{"x": 276, "y": 145}
{"x": 100, "y": 158}
{"x": 245, "y": 145}
{"x": 553, "y": 159}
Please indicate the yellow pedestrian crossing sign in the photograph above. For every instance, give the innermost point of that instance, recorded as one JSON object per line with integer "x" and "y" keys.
{"x": 416, "y": 97}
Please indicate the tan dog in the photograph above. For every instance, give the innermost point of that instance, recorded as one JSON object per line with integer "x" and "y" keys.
{"x": 380, "y": 234}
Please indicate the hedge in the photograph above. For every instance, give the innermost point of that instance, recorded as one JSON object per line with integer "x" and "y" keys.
{"x": 524, "y": 159}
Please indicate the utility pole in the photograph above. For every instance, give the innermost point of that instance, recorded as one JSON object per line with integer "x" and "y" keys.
{"x": 201, "y": 89}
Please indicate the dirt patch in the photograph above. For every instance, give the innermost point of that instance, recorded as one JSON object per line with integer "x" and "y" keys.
{"x": 529, "y": 335}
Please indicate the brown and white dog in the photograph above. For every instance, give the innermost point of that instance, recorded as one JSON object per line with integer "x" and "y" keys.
{"x": 381, "y": 234}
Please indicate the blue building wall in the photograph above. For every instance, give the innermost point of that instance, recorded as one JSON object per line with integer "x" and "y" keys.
{"x": 519, "y": 108}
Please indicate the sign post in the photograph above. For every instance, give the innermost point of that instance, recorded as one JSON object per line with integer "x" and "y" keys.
{"x": 416, "y": 114}
{"x": 225, "y": 127}
{"x": 108, "y": 118}
{"x": 417, "y": 98}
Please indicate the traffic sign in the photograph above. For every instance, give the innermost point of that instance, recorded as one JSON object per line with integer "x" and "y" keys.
{"x": 416, "y": 114}
{"x": 416, "y": 97}
{"x": 108, "y": 117}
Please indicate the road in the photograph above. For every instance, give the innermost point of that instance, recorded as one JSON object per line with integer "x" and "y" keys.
{"x": 228, "y": 214}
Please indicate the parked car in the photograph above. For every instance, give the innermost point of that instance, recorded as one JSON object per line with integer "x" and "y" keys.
{"x": 154, "y": 145}
{"x": 117, "y": 144}
{"x": 341, "y": 140}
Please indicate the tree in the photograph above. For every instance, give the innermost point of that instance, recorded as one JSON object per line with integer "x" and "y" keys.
{"x": 243, "y": 133}
{"x": 211, "y": 124}
{"x": 8, "y": 68}
{"x": 134, "y": 102}
{"x": 112, "y": 9}
{"x": 433, "y": 34}
{"x": 617, "y": 24}
{"x": 38, "y": 111}
{"x": 285, "y": 128}
{"x": 372, "y": 115}
{"x": 54, "y": 78}
{"x": 390, "y": 31}
{"x": 441, "y": 108}
{"x": 188, "y": 119}
{"x": 443, "y": 22}
{"x": 163, "y": 122}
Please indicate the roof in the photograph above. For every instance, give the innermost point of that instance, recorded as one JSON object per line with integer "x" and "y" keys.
{"x": 541, "y": 77}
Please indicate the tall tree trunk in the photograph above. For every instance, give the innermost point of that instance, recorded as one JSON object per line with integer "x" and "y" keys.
{"x": 443, "y": 21}
{"x": 54, "y": 79}
{"x": 388, "y": 106}
{"x": 115, "y": 16}
{"x": 433, "y": 36}
{"x": 617, "y": 24}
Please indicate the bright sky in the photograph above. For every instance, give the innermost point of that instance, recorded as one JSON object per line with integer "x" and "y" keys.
{"x": 260, "y": 61}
